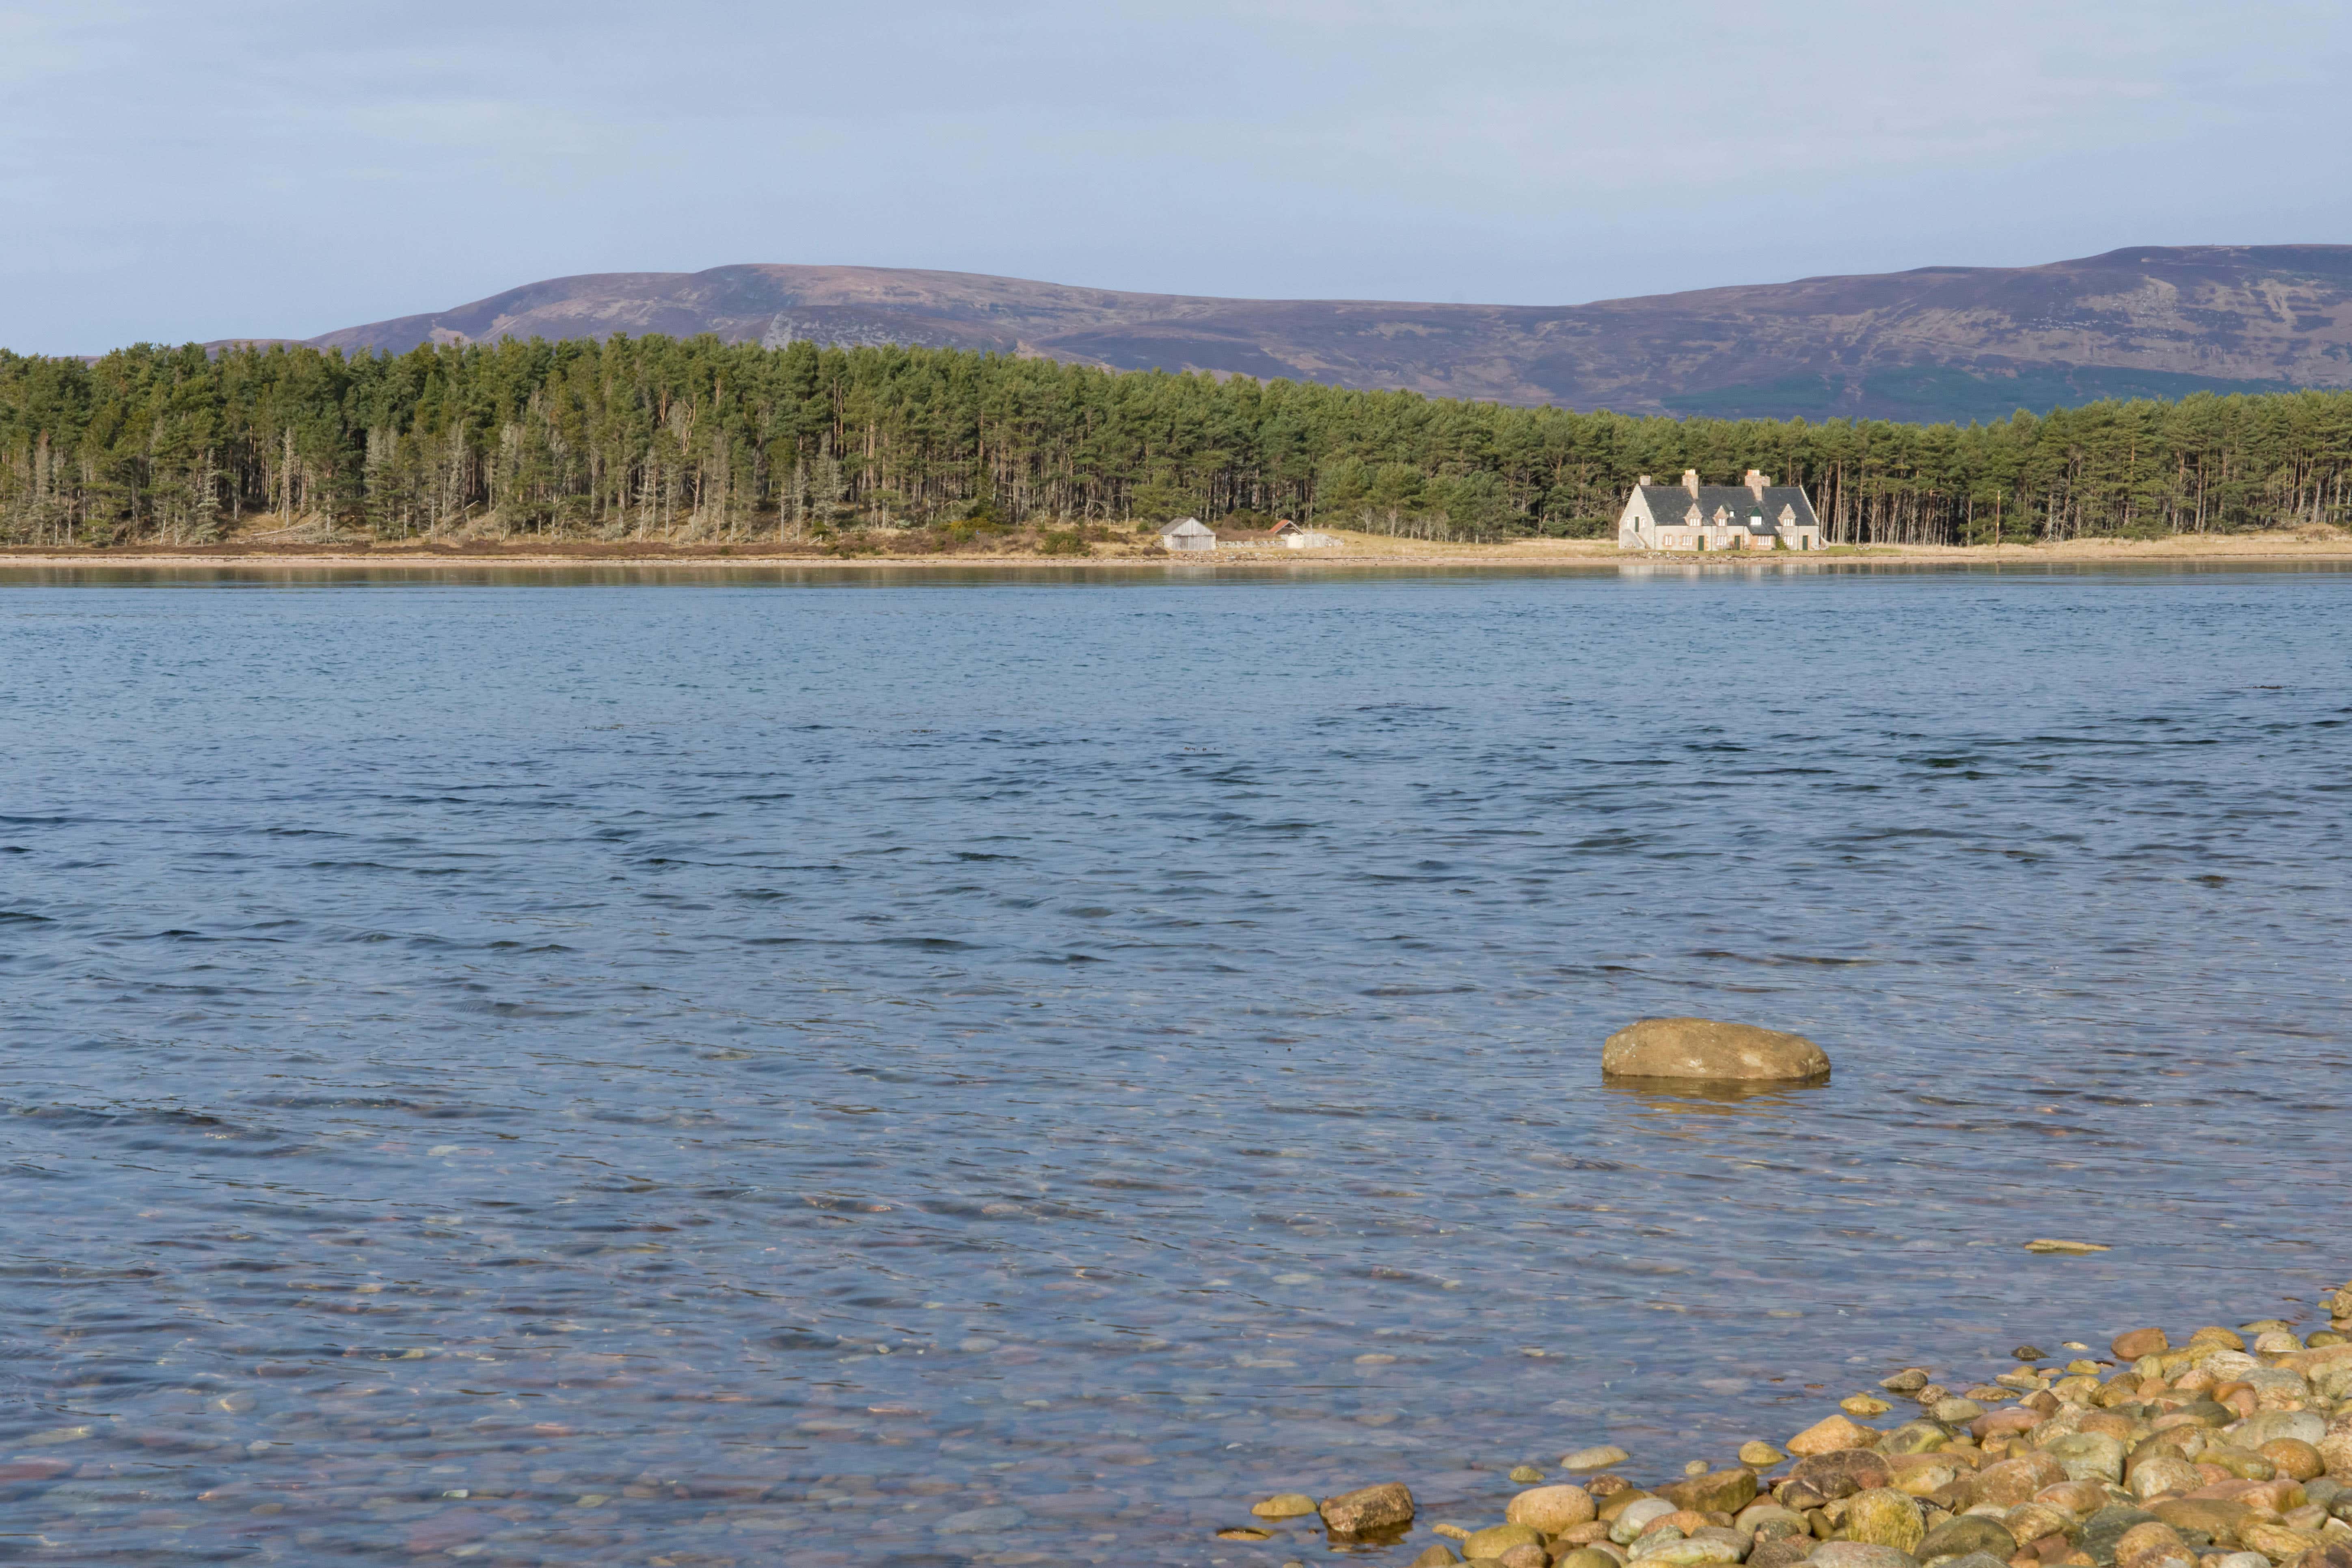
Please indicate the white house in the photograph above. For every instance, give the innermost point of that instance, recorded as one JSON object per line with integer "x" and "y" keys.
{"x": 1755, "y": 514}
{"x": 1190, "y": 533}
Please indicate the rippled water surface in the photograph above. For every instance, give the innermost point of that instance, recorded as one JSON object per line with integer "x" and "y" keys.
{"x": 905, "y": 1072}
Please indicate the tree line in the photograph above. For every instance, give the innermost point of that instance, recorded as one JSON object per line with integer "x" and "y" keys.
{"x": 660, "y": 439}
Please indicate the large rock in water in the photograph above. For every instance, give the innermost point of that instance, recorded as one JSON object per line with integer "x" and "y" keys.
{"x": 1712, "y": 1051}
{"x": 1369, "y": 1509}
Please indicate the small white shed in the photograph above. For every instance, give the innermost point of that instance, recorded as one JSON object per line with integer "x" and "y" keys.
{"x": 1188, "y": 534}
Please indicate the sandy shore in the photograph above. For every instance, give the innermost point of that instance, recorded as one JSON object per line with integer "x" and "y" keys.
{"x": 1356, "y": 551}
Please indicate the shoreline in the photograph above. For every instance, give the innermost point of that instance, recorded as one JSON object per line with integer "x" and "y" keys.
{"x": 1359, "y": 551}
{"x": 2231, "y": 1450}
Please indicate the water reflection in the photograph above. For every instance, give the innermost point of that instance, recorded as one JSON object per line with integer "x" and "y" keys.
{"x": 1710, "y": 1096}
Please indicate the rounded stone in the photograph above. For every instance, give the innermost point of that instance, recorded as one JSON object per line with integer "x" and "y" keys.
{"x": 1439, "y": 1555}
{"x": 1842, "y": 1473}
{"x": 2137, "y": 1342}
{"x": 2154, "y": 1545}
{"x": 1690, "y": 1551}
{"x": 1630, "y": 1524}
{"x": 2216, "y": 1519}
{"x": 1769, "y": 1521}
{"x": 1599, "y": 1459}
{"x": 1827, "y": 1436}
{"x": 1284, "y": 1505}
{"x": 1884, "y": 1517}
{"x": 1524, "y": 1556}
{"x": 1711, "y": 1050}
{"x": 1367, "y": 1508}
{"x": 2295, "y": 1459}
{"x": 2088, "y": 1456}
{"x": 2081, "y": 1498}
{"x": 1925, "y": 1477}
{"x": 1860, "y": 1554}
{"x": 2269, "y": 1426}
{"x": 2030, "y": 1521}
{"x": 1915, "y": 1437}
{"x": 1759, "y": 1455}
{"x": 1550, "y": 1508}
{"x": 2243, "y": 1463}
{"x": 1968, "y": 1533}
{"x": 1497, "y": 1539}
{"x": 2275, "y": 1542}
{"x": 2013, "y": 1481}
{"x": 1587, "y": 1557}
{"x": 1714, "y": 1491}
{"x": 2163, "y": 1475}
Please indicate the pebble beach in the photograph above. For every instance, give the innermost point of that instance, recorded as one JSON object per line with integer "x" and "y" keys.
{"x": 2231, "y": 1448}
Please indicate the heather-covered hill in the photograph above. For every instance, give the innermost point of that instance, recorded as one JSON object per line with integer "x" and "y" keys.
{"x": 1941, "y": 342}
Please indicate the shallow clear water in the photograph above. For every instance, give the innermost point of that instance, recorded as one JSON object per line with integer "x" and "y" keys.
{"x": 899, "y": 1071}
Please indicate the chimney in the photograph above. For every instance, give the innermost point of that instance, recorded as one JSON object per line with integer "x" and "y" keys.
{"x": 1690, "y": 480}
{"x": 1644, "y": 479}
{"x": 1756, "y": 482}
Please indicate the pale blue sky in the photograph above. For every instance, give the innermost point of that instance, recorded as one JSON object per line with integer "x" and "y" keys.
{"x": 211, "y": 168}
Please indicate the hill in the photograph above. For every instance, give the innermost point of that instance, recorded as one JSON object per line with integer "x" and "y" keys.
{"x": 1941, "y": 342}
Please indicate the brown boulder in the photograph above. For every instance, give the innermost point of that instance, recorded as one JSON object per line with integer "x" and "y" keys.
{"x": 1718, "y": 1491}
{"x": 2007, "y": 1422}
{"x": 1497, "y": 1539}
{"x": 1843, "y": 1473}
{"x": 1827, "y": 1436}
{"x": 2139, "y": 1342}
{"x": 2161, "y": 1474}
{"x": 1711, "y": 1050}
{"x": 2211, "y": 1516}
{"x": 2294, "y": 1458}
{"x": 2013, "y": 1481}
{"x": 2152, "y": 1546}
{"x": 2085, "y": 1497}
{"x": 2275, "y": 1542}
{"x": 1782, "y": 1552}
{"x": 1552, "y": 1510}
{"x": 1367, "y": 1508}
{"x": 2036, "y": 1520}
{"x": 1968, "y": 1532}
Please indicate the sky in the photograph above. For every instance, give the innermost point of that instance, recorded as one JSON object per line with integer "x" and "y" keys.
{"x": 214, "y": 168}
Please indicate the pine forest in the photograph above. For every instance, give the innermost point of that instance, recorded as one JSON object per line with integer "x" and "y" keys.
{"x": 656, "y": 438}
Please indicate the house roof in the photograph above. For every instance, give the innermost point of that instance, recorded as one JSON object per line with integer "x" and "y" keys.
{"x": 1189, "y": 528}
{"x": 1671, "y": 504}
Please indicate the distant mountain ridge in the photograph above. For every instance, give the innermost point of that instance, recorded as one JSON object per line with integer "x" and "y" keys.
{"x": 1937, "y": 342}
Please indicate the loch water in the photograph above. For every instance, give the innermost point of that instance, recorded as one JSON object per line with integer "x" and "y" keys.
{"x": 870, "y": 1068}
